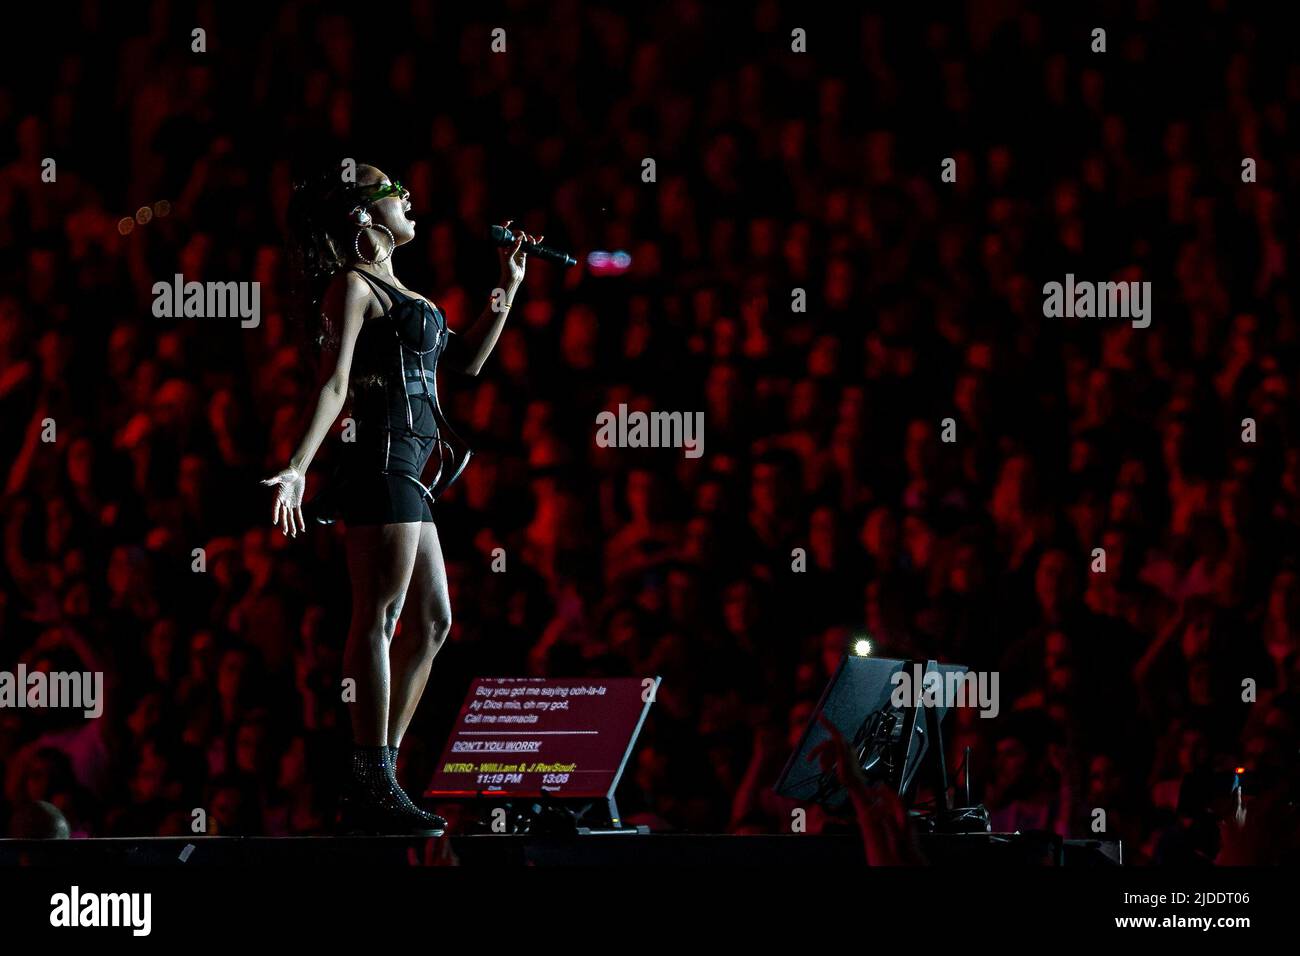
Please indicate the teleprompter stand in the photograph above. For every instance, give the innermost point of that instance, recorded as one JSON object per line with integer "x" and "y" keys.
{"x": 596, "y": 734}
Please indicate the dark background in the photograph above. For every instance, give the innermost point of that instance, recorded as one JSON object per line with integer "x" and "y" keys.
{"x": 775, "y": 171}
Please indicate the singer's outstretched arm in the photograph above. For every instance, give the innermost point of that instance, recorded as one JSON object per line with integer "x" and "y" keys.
{"x": 476, "y": 343}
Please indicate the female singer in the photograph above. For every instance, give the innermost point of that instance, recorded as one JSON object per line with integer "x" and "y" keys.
{"x": 385, "y": 349}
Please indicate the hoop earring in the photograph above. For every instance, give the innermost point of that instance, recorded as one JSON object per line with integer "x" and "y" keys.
{"x": 392, "y": 243}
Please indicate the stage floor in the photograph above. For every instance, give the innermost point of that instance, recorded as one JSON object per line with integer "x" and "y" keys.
{"x": 622, "y": 849}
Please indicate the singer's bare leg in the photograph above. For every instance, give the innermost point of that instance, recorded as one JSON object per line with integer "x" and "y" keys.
{"x": 425, "y": 626}
{"x": 380, "y": 561}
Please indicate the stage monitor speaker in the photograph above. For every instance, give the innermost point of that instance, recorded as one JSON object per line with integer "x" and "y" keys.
{"x": 889, "y": 736}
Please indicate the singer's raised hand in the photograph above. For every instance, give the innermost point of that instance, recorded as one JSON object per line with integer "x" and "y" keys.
{"x": 475, "y": 344}
{"x": 515, "y": 259}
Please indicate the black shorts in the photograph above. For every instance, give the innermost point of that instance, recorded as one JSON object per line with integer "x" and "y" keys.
{"x": 363, "y": 493}
{"x": 378, "y": 480}
{"x": 383, "y": 499}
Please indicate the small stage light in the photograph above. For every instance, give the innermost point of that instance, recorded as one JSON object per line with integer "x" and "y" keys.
{"x": 862, "y": 647}
{"x": 608, "y": 263}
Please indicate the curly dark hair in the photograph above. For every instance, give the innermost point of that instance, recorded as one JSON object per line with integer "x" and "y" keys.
{"x": 318, "y": 222}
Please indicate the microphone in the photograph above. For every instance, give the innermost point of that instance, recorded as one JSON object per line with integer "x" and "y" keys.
{"x": 502, "y": 236}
